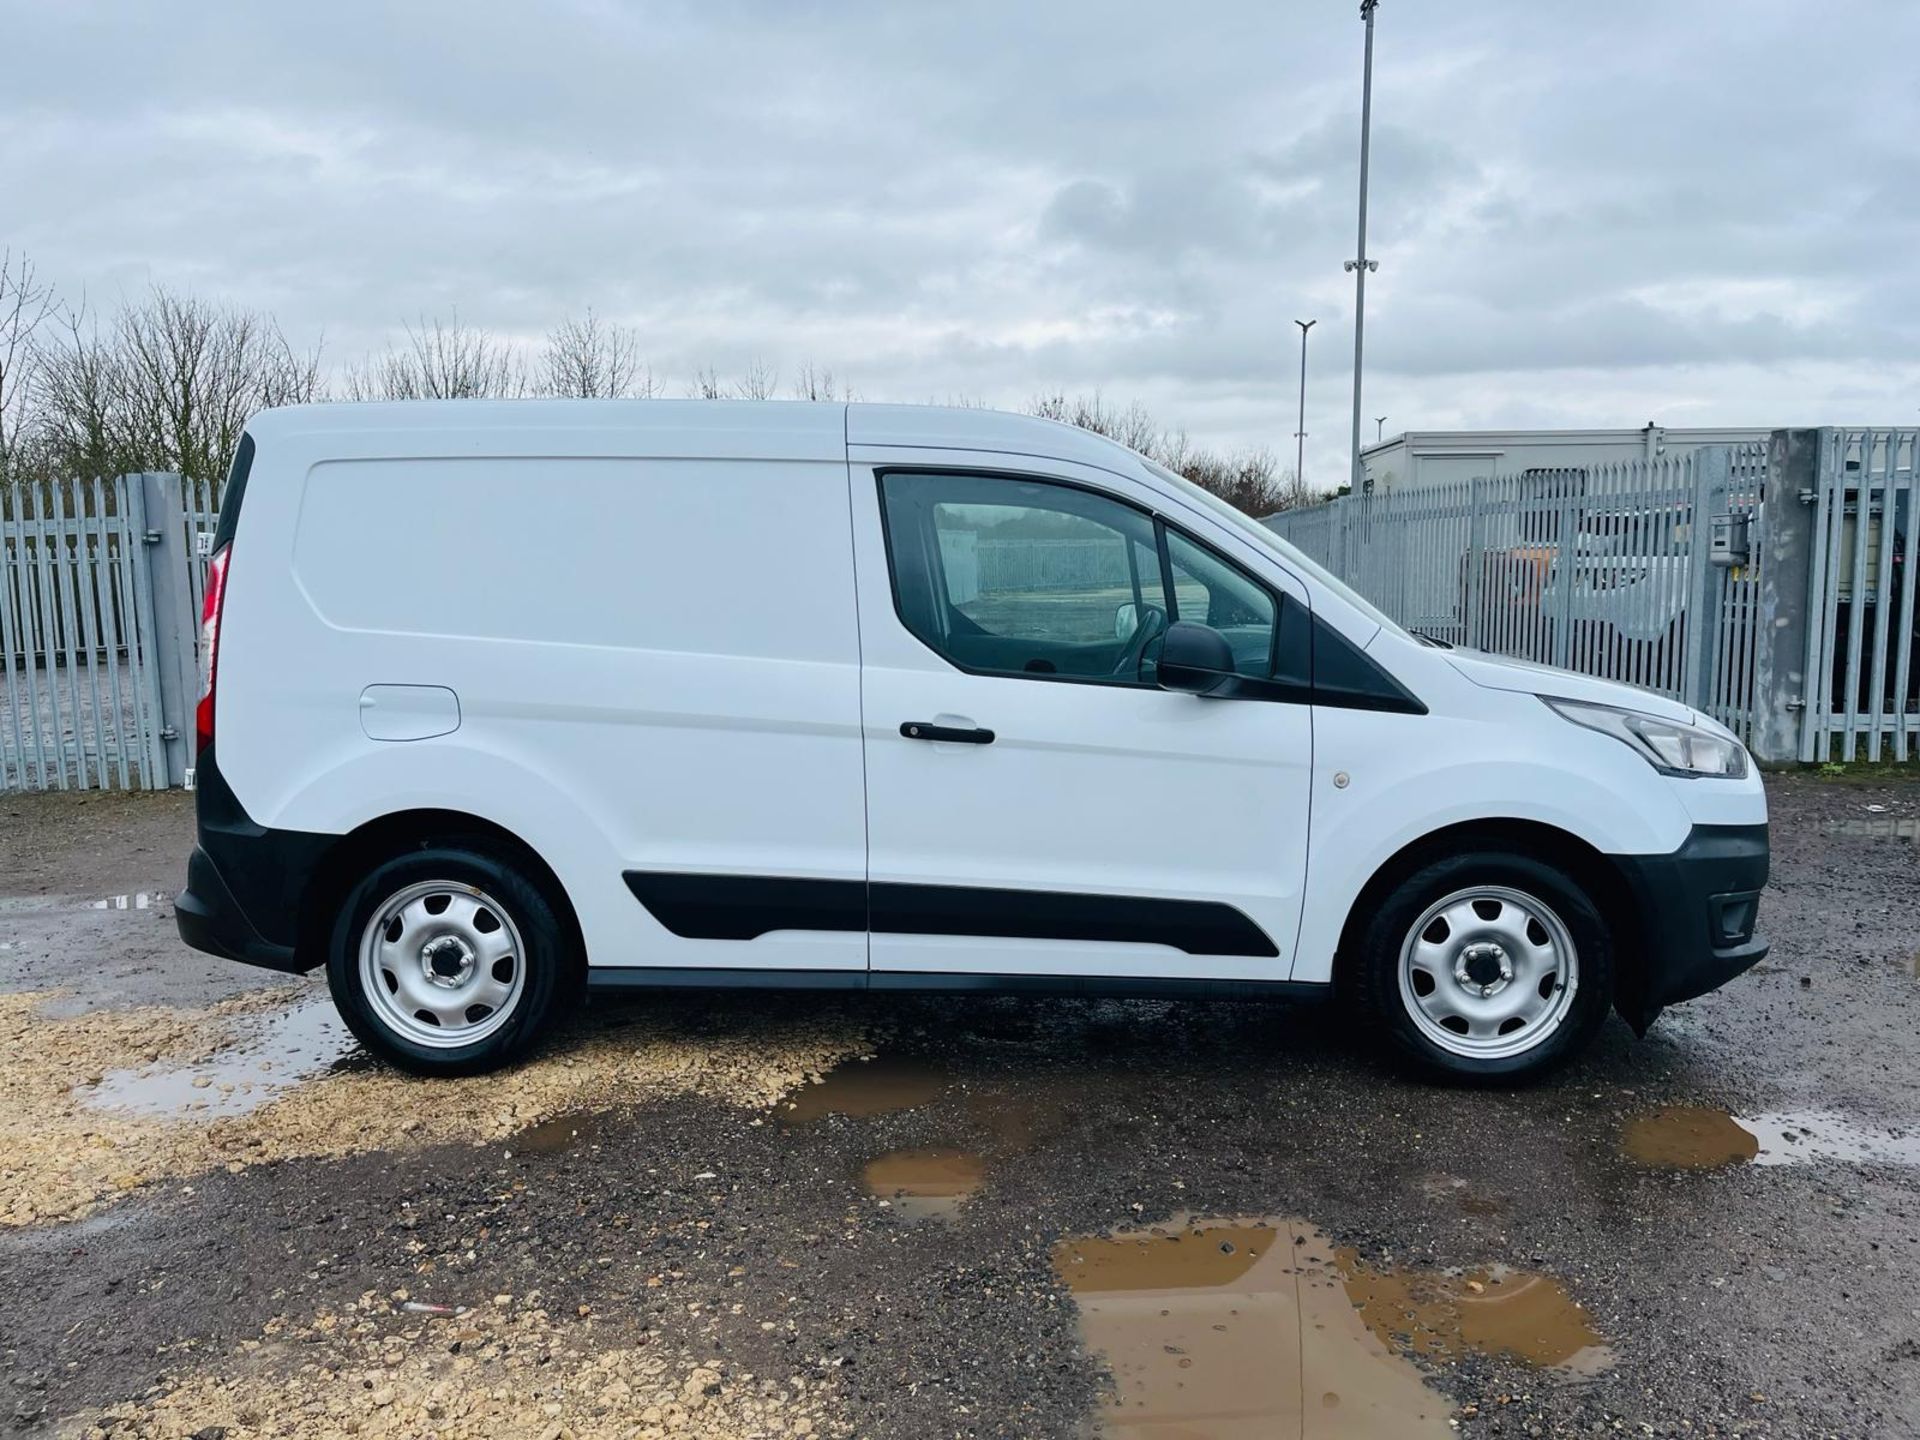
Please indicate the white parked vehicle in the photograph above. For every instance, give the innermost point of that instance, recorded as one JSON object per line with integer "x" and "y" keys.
{"x": 508, "y": 699}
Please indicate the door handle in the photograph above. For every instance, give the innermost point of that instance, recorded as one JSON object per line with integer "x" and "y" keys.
{"x": 925, "y": 730}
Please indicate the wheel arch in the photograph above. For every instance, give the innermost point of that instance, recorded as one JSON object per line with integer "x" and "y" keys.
{"x": 386, "y": 836}
{"x": 1590, "y": 868}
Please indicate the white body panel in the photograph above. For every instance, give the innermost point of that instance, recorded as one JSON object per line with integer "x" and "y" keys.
{"x": 1087, "y": 789}
{"x": 662, "y": 637}
{"x": 644, "y": 681}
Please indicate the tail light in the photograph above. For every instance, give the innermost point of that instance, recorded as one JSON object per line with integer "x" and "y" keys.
{"x": 210, "y": 645}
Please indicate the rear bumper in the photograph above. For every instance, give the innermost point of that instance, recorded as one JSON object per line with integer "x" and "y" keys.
{"x": 210, "y": 919}
{"x": 244, "y": 881}
{"x": 1699, "y": 911}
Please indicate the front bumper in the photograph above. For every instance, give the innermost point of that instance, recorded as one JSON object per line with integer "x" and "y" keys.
{"x": 1699, "y": 909}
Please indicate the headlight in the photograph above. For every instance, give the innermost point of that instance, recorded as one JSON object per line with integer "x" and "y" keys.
{"x": 1666, "y": 745}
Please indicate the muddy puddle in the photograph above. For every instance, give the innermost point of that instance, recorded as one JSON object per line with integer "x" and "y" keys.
{"x": 1235, "y": 1329}
{"x": 571, "y": 1130}
{"x": 1442, "y": 1315}
{"x": 1702, "y": 1137}
{"x": 268, "y": 1055}
{"x": 859, "y": 1088}
{"x": 925, "y": 1184}
{"x": 1688, "y": 1137}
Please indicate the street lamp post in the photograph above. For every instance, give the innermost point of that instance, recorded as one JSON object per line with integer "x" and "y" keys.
{"x": 1300, "y": 434}
{"x": 1379, "y": 428}
{"x": 1360, "y": 264}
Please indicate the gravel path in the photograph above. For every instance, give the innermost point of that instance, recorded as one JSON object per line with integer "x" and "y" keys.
{"x": 735, "y": 1240}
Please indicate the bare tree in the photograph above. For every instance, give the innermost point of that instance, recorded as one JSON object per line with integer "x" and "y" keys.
{"x": 761, "y": 382}
{"x": 191, "y": 373}
{"x": 26, "y": 305}
{"x": 815, "y": 382}
{"x": 168, "y": 385}
{"x": 707, "y": 385}
{"x": 441, "y": 360}
{"x": 1250, "y": 479}
{"x": 591, "y": 359}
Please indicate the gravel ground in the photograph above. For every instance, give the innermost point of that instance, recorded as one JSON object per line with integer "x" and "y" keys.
{"x": 649, "y": 1242}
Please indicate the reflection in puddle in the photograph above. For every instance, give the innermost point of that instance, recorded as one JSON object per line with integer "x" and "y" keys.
{"x": 134, "y": 900}
{"x": 1699, "y": 1137}
{"x": 1688, "y": 1137}
{"x": 270, "y": 1054}
{"x": 924, "y": 1184}
{"x": 1883, "y": 828}
{"x": 560, "y": 1133}
{"x": 1218, "y": 1330}
{"x": 1796, "y": 1137}
{"x": 865, "y": 1087}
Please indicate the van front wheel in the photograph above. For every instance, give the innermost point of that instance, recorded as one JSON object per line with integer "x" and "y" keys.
{"x": 448, "y": 961}
{"x": 1488, "y": 966}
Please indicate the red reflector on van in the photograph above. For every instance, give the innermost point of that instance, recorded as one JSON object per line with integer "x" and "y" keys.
{"x": 210, "y": 645}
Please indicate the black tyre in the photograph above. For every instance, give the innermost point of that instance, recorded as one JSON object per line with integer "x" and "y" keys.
{"x": 450, "y": 960}
{"x": 1487, "y": 967}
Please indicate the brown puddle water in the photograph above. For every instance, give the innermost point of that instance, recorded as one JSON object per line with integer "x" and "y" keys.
{"x": 1688, "y": 1137}
{"x": 1246, "y": 1330}
{"x": 559, "y": 1133}
{"x": 270, "y": 1054}
{"x": 860, "y": 1088}
{"x": 924, "y": 1184}
{"x": 1493, "y": 1311}
{"x": 1700, "y": 1137}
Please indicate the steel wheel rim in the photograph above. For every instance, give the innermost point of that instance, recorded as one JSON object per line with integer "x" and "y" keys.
{"x": 442, "y": 964}
{"x": 1488, "y": 972}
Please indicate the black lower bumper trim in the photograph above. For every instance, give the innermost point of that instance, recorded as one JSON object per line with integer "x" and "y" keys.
{"x": 1699, "y": 909}
{"x": 210, "y": 919}
{"x": 245, "y": 882}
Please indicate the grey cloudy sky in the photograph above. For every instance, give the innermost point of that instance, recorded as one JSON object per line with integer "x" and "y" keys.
{"x": 1593, "y": 214}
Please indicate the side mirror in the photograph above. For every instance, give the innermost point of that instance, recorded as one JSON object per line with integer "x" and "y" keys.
{"x": 1195, "y": 659}
{"x": 1126, "y": 620}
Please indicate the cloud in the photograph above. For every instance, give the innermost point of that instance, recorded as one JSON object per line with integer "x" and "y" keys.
{"x": 1580, "y": 212}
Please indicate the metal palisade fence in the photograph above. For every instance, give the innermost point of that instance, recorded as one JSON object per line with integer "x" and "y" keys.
{"x": 1608, "y": 569}
{"x": 1863, "y": 637}
{"x": 100, "y": 582}
{"x": 1772, "y": 586}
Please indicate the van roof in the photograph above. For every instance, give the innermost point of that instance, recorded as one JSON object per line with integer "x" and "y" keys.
{"x": 797, "y": 428}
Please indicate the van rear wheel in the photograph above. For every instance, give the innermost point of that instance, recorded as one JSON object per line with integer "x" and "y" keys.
{"x": 449, "y": 961}
{"x": 1488, "y": 966}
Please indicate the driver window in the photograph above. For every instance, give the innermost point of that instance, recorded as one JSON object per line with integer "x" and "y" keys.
{"x": 1224, "y": 597}
{"x": 1022, "y": 577}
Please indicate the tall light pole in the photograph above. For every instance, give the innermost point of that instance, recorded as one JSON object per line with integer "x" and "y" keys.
{"x": 1300, "y": 434}
{"x": 1360, "y": 264}
{"x": 1379, "y": 428}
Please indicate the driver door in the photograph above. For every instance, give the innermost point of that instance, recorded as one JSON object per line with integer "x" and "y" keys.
{"x": 1035, "y": 805}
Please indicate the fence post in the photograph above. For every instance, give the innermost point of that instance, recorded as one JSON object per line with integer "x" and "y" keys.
{"x": 170, "y": 589}
{"x": 1476, "y": 545}
{"x": 1337, "y": 548}
{"x": 1712, "y": 475}
{"x": 1781, "y": 687}
{"x": 1566, "y": 557}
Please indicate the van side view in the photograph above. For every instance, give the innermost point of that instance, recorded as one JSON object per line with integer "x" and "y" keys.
{"x": 505, "y": 700}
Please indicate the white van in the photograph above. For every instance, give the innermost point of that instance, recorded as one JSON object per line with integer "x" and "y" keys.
{"x": 509, "y": 699}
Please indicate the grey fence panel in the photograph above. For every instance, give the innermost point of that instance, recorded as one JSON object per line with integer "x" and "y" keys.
{"x": 1606, "y": 569}
{"x": 1863, "y": 649}
{"x": 79, "y": 657}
